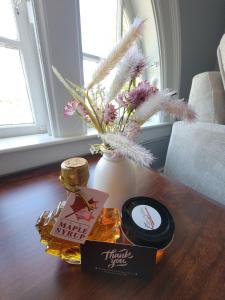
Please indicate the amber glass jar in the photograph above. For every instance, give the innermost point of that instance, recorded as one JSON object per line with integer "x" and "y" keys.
{"x": 74, "y": 173}
{"x": 146, "y": 222}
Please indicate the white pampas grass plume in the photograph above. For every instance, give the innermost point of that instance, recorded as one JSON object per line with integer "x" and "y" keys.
{"x": 128, "y": 149}
{"x": 117, "y": 53}
{"x": 162, "y": 102}
{"x": 130, "y": 60}
{"x": 150, "y": 106}
{"x": 179, "y": 109}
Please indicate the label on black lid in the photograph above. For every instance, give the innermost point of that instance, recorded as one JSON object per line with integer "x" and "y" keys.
{"x": 146, "y": 217}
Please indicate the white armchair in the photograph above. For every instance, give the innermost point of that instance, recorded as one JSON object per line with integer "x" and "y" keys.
{"x": 196, "y": 157}
{"x": 196, "y": 152}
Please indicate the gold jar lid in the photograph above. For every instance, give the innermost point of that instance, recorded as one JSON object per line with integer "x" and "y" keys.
{"x": 74, "y": 172}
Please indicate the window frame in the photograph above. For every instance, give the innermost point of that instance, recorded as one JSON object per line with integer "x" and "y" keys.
{"x": 67, "y": 57}
{"x": 27, "y": 47}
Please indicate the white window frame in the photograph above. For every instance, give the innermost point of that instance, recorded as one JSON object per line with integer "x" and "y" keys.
{"x": 58, "y": 34}
{"x": 26, "y": 44}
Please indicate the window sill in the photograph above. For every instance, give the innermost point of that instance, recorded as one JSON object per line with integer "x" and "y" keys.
{"x": 33, "y": 141}
{"x": 25, "y": 152}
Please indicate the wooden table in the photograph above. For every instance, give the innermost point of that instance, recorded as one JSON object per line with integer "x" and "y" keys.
{"x": 194, "y": 267}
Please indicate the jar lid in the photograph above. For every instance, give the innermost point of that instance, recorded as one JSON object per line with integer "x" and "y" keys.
{"x": 74, "y": 172}
{"x": 146, "y": 222}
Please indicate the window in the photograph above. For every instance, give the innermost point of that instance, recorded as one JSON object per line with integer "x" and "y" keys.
{"x": 24, "y": 109}
{"x": 55, "y": 24}
{"x": 21, "y": 109}
{"x": 99, "y": 40}
{"x": 102, "y": 25}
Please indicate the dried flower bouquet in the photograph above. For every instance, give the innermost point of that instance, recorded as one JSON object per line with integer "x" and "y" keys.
{"x": 118, "y": 113}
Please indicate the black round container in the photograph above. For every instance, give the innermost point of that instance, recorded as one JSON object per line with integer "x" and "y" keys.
{"x": 146, "y": 222}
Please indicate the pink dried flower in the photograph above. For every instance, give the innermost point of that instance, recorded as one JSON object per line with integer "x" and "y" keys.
{"x": 121, "y": 100}
{"x": 74, "y": 106}
{"x": 153, "y": 90}
{"x": 70, "y": 108}
{"x": 132, "y": 130}
{"x": 84, "y": 114}
{"x": 109, "y": 113}
{"x": 138, "y": 69}
{"x": 141, "y": 93}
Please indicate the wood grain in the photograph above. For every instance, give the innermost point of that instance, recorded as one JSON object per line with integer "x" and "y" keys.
{"x": 193, "y": 268}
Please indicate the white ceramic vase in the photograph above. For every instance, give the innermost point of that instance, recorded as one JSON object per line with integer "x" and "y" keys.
{"x": 117, "y": 178}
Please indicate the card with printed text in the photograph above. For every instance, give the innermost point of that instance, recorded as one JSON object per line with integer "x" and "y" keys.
{"x": 118, "y": 259}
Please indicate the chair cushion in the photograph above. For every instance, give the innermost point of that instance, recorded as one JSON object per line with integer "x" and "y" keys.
{"x": 207, "y": 97}
{"x": 221, "y": 58}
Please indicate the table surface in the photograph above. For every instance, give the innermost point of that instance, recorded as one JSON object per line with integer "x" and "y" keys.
{"x": 193, "y": 268}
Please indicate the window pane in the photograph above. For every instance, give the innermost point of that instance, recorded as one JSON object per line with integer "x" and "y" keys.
{"x": 7, "y": 20}
{"x": 89, "y": 67}
{"x": 98, "y": 26}
{"x": 15, "y": 106}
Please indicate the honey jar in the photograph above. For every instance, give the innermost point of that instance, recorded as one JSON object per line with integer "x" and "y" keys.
{"x": 146, "y": 222}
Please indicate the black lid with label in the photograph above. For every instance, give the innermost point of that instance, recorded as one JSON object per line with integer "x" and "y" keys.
{"x": 146, "y": 222}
